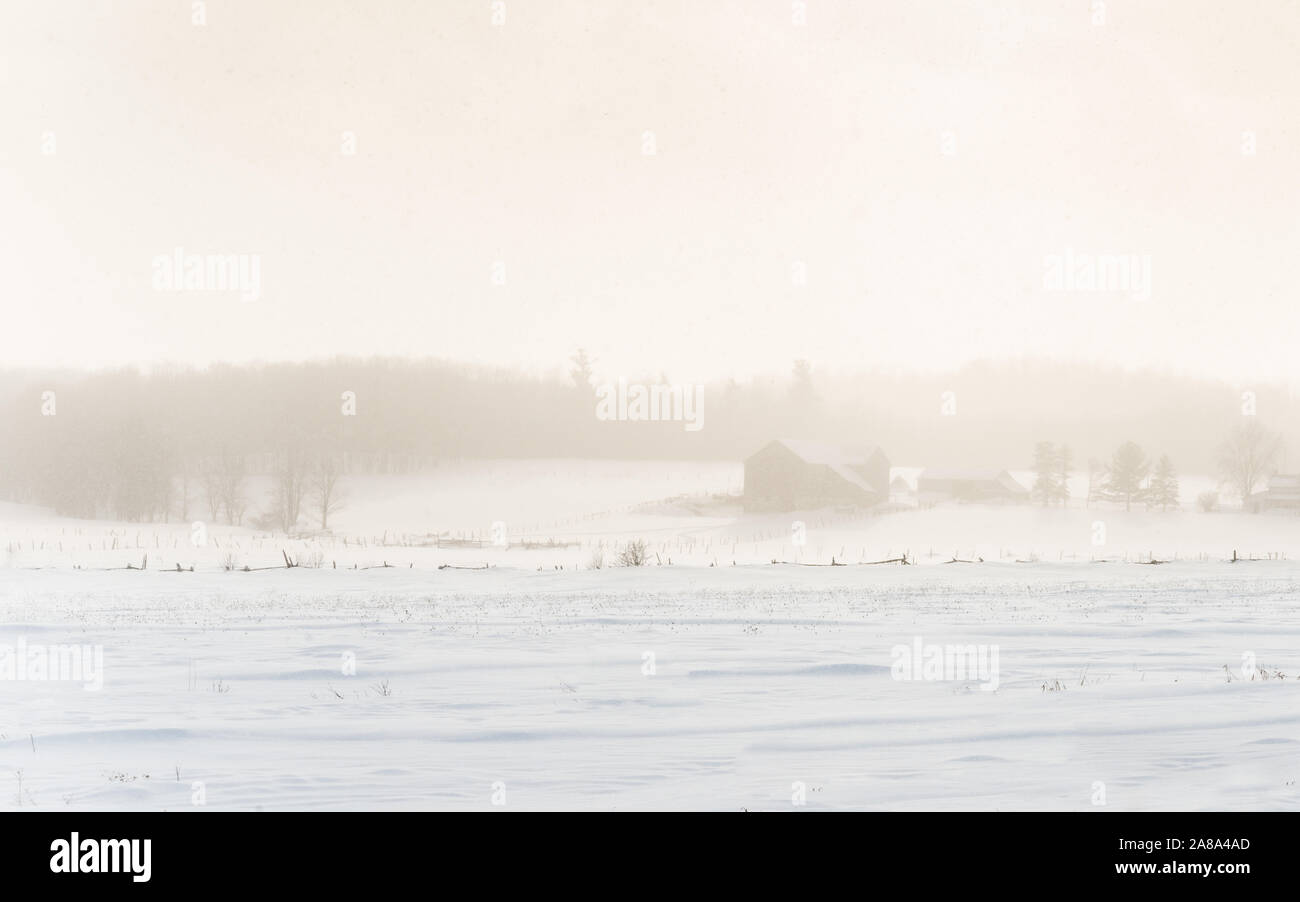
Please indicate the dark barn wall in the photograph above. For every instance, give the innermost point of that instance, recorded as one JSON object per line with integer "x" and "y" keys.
{"x": 771, "y": 479}
{"x": 776, "y": 479}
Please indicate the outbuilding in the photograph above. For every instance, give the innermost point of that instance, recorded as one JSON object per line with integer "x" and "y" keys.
{"x": 969, "y": 485}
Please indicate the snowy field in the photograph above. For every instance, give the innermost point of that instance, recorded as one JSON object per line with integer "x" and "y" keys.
{"x": 534, "y": 687}
{"x": 542, "y": 682}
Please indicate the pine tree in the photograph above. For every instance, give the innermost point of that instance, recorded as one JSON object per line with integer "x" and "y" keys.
{"x": 1164, "y": 484}
{"x": 803, "y": 404}
{"x": 1128, "y": 470}
{"x": 1064, "y": 464}
{"x": 580, "y": 370}
{"x": 1046, "y": 468}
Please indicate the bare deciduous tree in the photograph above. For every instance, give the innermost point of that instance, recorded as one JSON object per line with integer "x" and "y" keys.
{"x": 290, "y": 487}
{"x": 210, "y": 479}
{"x": 326, "y": 492}
{"x": 184, "y": 480}
{"x": 231, "y": 487}
{"x": 1248, "y": 457}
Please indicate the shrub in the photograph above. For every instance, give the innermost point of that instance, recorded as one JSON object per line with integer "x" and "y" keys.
{"x": 633, "y": 554}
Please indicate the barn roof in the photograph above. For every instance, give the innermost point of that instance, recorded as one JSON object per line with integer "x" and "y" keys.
{"x": 1282, "y": 487}
{"x": 831, "y": 455}
{"x": 1002, "y": 477}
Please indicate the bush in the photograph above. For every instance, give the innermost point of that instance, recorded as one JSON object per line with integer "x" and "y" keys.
{"x": 633, "y": 554}
{"x": 1208, "y": 502}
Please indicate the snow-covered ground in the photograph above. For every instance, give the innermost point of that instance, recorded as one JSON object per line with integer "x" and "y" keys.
{"x": 534, "y": 687}
{"x": 542, "y": 682}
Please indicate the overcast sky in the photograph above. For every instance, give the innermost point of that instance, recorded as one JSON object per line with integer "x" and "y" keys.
{"x": 921, "y": 160}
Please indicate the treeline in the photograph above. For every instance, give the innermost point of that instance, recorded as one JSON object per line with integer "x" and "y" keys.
{"x": 1129, "y": 476}
{"x": 182, "y": 442}
{"x": 139, "y": 446}
{"x": 1248, "y": 455}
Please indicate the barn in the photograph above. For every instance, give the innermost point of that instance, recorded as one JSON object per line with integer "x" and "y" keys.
{"x": 1283, "y": 493}
{"x": 793, "y": 474}
{"x": 969, "y": 485}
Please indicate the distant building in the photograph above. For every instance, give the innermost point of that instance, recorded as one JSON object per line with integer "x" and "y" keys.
{"x": 969, "y": 485}
{"x": 1283, "y": 493}
{"x": 900, "y": 489}
{"x": 791, "y": 474}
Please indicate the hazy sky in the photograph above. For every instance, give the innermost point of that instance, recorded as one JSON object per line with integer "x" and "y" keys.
{"x": 922, "y": 160}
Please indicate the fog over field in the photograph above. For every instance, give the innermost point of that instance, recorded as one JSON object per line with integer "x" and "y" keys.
{"x": 838, "y": 405}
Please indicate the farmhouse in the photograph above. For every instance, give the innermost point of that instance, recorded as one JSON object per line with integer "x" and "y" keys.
{"x": 1283, "y": 493}
{"x": 969, "y": 485}
{"x": 791, "y": 474}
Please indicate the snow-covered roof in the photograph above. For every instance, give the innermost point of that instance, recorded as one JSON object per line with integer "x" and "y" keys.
{"x": 964, "y": 475}
{"x": 831, "y": 455}
{"x": 1001, "y": 477}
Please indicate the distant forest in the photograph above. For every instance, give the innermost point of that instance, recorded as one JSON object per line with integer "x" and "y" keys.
{"x": 134, "y": 445}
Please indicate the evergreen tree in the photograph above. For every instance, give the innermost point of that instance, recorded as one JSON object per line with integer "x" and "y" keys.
{"x": 580, "y": 370}
{"x": 1164, "y": 484}
{"x": 1046, "y": 469}
{"x": 804, "y": 405}
{"x": 802, "y": 393}
{"x": 1128, "y": 471}
{"x": 1064, "y": 464}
